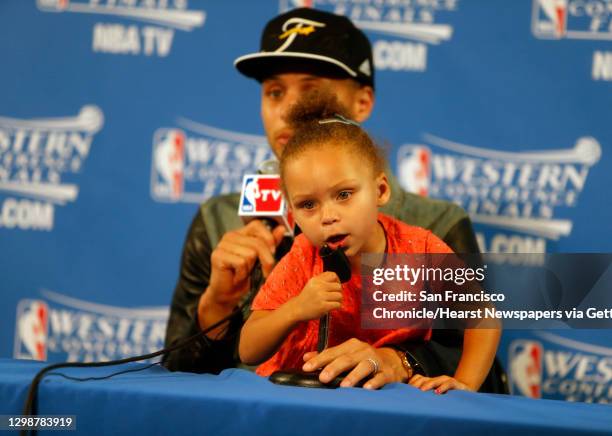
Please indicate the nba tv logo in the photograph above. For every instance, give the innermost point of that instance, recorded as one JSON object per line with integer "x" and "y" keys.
{"x": 549, "y": 19}
{"x": 168, "y": 164}
{"x": 261, "y": 195}
{"x": 526, "y": 368}
{"x": 32, "y": 330}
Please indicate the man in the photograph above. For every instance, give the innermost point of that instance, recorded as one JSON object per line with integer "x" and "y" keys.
{"x": 224, "y": 262}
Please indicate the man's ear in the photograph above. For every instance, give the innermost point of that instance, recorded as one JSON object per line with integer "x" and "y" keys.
{"x": 383, "y": 190}
{"x": 363, "y": 104}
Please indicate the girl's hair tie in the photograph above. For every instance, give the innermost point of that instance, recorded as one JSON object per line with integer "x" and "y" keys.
{"x": 339, "y": 119}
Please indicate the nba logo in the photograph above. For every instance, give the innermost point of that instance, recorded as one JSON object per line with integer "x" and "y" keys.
{"x": 290, "y": 4}
{"x": 526, "y": 368}
{"x": 31, "y": 331}
{"x": 261, "y": 195}
{"x": 169, "y": 164}
{"x": 250, "y": 193}
{"x": 414, "y": 169}
{"x": 53, "y": 5}
{"x": 549, "y": 20}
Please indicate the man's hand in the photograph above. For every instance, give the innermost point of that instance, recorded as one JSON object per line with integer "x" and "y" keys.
{"x": 321, "y": 294}
{"x": 356, "y": 356}
{"x": 231, "y": 264}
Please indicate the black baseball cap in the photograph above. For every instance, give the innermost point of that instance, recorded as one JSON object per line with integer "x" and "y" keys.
{"x": 313, "y": 40}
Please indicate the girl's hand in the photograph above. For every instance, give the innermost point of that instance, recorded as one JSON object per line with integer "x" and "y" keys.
{"x": 441, "y": 384}
{"x": 321, "y": 294}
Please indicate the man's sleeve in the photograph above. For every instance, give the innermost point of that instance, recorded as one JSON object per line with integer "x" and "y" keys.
{"x": 461, "y": 237}
{"x": 202, "y": 354}
{"x": 462, "y": 240}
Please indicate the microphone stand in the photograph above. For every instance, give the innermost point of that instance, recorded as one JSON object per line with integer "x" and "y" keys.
{"x": 336, "y": 261}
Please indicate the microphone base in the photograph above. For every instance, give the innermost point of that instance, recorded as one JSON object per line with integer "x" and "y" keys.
{"x": 307, "y": 379}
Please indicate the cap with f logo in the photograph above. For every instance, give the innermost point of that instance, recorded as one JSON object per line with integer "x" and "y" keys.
{"x": 311, "y": 38}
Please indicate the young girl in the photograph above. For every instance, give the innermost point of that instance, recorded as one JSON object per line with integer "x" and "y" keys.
{"x": 334, "y": 181}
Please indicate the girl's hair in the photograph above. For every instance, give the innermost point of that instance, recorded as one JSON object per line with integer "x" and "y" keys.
{"x": 319, "y": 120}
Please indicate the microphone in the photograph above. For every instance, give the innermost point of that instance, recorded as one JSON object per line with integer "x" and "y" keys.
{"x": 262, "y": 198}
{"x": 335, "y": 261}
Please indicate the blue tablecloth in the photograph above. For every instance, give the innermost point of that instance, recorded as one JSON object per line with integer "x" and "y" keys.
{"x": 157, "y": 402}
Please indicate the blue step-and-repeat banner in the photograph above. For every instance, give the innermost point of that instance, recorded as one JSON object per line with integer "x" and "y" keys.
{"x": 118, "y": 117}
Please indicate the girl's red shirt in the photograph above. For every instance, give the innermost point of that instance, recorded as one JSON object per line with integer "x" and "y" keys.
{"x": 302, "y": 263}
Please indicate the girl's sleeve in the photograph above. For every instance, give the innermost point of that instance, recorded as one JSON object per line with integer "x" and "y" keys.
{"x": 397, "y": 337}
{"x": 286, "y": 280}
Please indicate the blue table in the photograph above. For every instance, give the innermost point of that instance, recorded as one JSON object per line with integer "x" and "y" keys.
{"x": 157, "y": 402}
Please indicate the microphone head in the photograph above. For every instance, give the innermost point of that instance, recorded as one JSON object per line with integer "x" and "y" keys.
{"x": 262, "y": 198}
{"x": 269, "y": 167}
{"x": 336, "y": 261}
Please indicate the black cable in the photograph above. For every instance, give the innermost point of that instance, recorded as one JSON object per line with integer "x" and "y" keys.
{"x": 104, "y": 377}
{"x": 224, "y": 331}
{"x": 29, "y": 407}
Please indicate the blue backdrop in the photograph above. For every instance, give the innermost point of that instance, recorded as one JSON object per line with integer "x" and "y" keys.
{"x": 117, "y": 117}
